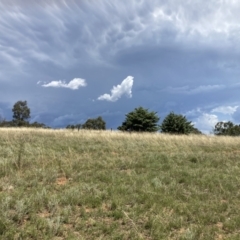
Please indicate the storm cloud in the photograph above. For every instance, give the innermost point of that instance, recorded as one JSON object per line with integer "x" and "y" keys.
{"x": 184, "y": 57}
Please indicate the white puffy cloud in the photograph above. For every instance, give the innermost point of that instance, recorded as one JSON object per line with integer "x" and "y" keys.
{"x": 225, "y": 110}
{"x": 117, "y": 91}
{"x": 74, "y": 84}
{"x": 206, "y": 122}
{"x": 203, "y": 120}
{"x": 206, "y": 119}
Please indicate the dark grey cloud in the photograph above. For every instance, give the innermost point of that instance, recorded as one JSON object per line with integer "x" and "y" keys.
{"x": 183, "y": 56}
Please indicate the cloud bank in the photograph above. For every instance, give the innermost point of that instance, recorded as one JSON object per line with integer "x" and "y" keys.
{"x": 188, "y": 45}
{"x": 206, "y": 122}
{"x": 117, "y": 91}
{"x": 74, "y": 84}
{"x": 196, "y": 90}
{"x": 225, "y": 109}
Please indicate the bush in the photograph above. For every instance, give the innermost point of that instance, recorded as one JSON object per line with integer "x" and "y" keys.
{"x": 140, "y": 120}
{"x": 177, "y": 124}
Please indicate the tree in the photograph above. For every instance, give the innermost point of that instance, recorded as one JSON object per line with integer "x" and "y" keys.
{"x": 140, "y": 120}
{"x": 2, "y": 121}
{"x": 196, "y": 131}
{"x": 95, "y": 124}
{"x": 21, "y": 113}
{"x": 5, "y": 123}
{"x": 177, "y": 124}
{"x": 77, "y": 126}
{"x": 227, "y": 129}
{"x": 38, "y": 125}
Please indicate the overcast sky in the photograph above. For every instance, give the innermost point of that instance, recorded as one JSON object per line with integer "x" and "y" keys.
{"x": 74, "y": 60}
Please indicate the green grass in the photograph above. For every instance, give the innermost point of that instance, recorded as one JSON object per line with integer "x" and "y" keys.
{"x": 58, "y": 184}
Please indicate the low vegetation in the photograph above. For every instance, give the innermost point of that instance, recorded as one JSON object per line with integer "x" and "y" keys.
{"x": 60, "y": 184}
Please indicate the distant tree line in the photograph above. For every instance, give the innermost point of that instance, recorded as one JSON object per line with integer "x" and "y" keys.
{"x": 92, "y": 123}
{"x": 21, "y": 115}
{"x": 226, "y": 129}
{"x": 138, "y": 120}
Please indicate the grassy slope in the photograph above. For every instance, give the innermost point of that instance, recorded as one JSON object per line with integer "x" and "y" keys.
{"x": 108, "y": 185}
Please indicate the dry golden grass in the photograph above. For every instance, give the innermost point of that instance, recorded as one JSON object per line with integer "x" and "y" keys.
{"x": 63, "y": 184}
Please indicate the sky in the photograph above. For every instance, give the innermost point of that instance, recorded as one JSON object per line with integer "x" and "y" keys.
{"x": 76, "y": 59}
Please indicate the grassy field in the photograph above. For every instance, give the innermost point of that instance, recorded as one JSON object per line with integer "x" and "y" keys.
{"x": 59, "y": 184}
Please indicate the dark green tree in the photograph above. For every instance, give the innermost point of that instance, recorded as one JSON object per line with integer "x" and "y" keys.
{"x": 140, "y": 120}
{"x": 95, "y": 124}
{"x": 196, "y": 131}
{"x": 70, "y": 126}
{"x": 226, "y": 129}
{"x": 177, "y": 124}
{"x": 78, "y": 126}
{"x": 4, "y": 123}
{"x": 21, "y": 113}
{"x": 38, "y": 125}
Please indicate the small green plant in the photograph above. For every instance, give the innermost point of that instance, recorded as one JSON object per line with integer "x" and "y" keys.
{"x": 20, "y": 152}
{"x": 3, "y": 227}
